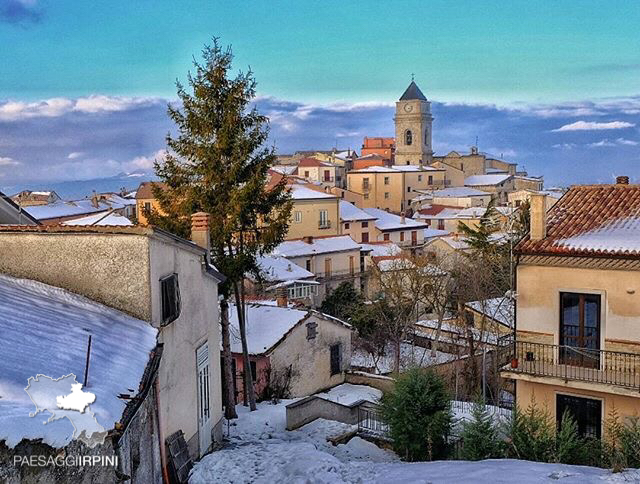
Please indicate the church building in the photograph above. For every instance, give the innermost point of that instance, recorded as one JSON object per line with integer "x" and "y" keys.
{"x": 413, "y": 122}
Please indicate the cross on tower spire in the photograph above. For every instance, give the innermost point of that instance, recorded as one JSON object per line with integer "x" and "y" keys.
{"x": 412, "y": 76}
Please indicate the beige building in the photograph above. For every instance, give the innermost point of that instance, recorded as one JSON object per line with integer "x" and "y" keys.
{"x": 413, "y": 121}
{"x": 463, "y": 197}
{"x": 146, "y": 201}
{"x": 393, "y": 188}
{"x": 498, "y": 185}
{"x": 323, "y": 173}
{"x": 527, "y": 183}
{"x": 517, "y": 198}
{"x": 27, "y": 198}
{"x": 332, "y": 260}
{"x": 315, "y": 212}
{"x": 153, "y": 276}
{"x": 356, "y": 223}
{"x": 405, "y": 232}
{"x": 577, "y": 342}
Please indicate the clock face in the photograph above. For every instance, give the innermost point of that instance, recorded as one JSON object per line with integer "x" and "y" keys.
{"x": 408, "y": 107}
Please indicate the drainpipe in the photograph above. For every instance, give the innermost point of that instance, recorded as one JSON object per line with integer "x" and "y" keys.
{"x": 163, "y": 453}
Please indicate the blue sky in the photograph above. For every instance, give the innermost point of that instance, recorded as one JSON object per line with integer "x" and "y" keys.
{"x": 84, "y": 85}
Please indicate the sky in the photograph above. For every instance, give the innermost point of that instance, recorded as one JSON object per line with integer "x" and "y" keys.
{"x": 552, "y": 85}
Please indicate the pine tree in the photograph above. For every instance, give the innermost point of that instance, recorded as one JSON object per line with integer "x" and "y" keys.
{"x": 569, "y": 444}
{"x": 480, "y": 435}
{"x": 218, "y": 163}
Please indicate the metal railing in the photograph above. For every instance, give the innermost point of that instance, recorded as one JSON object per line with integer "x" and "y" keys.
{"x": 575, "y": 363}
{"x": 324, "y": 224}
{"x": 370, "y": 421}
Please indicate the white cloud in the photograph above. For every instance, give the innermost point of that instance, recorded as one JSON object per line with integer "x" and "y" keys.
{"x": 75, "y": 154}
{"x": 594, "y": 126}
{"x": 143, "y": 162}
{"x": 616, "y": 142}
{"x": 54, "y": 107}
{"x": 565, "y": 146}
{"x": 6, "y": 161}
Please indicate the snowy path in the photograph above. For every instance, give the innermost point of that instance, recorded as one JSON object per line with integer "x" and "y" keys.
{"x": 262, "y": 451}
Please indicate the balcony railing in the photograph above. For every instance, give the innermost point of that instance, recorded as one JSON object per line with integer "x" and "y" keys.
{"x": 572, "y": 363}
{"x": 324, "y": 224}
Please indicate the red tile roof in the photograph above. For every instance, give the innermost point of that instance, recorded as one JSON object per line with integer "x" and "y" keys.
{"x": 435, "y": 209}
{"x": 313, "y": 162}
{"x": 591, "y": 220}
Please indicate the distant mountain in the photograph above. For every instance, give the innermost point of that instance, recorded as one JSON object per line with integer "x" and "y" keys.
{"x": 70, "y": 190}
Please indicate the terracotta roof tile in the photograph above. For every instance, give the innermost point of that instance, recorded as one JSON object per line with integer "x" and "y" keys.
{"x": 596, "y": 220}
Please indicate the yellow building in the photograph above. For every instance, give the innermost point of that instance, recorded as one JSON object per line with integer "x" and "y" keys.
{"x": 577, "y": 340}
{"x": 357, "y": 223}
{"x": 498, "y": 185}
{"x": 145, "y": 200}
{"x": 315, "y": 213}
{"x": 519, "y": 197}
{"x": 321, "y": 172}
{"x": 392, "y": 188}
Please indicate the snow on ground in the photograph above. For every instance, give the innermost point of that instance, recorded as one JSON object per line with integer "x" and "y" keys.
{"x": 410, "y": 356}
{"x": 347, "y": 394}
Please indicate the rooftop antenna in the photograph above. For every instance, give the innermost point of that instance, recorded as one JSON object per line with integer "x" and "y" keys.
{"x": 476, "y": 141}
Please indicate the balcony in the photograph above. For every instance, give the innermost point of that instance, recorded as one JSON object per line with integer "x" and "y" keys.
{"x": 324, "y": 224}
{"x": 327, "y": 179}
{"x": 577, "y": 364}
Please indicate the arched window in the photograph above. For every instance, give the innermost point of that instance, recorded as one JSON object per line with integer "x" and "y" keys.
{"x": 408, "y": 137}
{"x": 426, "y": 136}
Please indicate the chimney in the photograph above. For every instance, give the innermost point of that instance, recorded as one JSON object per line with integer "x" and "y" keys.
{"x": 200, "y": 230}
{"x": 622, "y": 180}
{"x": 538, "y": 215}
{"x": 281, "y": 298}
{"x": 94, "y": 200}
{"x": 307, "y": 239}
{"x": 402, "y": 219}
{"x": 474, "y": 150}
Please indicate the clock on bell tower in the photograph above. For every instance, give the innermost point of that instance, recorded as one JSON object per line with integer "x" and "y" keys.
{"x": 413, "y": 122}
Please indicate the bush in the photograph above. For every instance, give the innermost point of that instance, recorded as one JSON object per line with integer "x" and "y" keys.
{"x": 570, "y": 447}
{"x": 531, "y": 434}
{"x": 480, "y": 436}
{"x": 622, "y": 443}
{"x": 419, "y": 415}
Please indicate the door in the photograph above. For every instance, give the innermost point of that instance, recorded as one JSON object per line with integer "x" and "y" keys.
{"x": 580, "y": 329}
{"x": 204, "y": 409}
{"x": 587, "y": 413}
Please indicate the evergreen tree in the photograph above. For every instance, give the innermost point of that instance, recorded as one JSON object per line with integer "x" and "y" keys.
{"x": 218, "y": 163}
{"x": 418, "y": 412}
{"x": 480, "y": 436}
{"x": 531, "y": 434}
{"x": 342, "y": 301}
{"x": 569, "y": 445}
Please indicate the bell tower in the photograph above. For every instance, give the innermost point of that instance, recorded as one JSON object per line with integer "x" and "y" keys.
{"x": 413, "y": 122}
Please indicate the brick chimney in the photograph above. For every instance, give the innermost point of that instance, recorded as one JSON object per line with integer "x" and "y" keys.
{"x": 282, "y": 299}
{"x": 307, "y": 239}
{"x": 538, "y": 214}
{"x": 200, "y": 230}
{"x": 622, "y": 180}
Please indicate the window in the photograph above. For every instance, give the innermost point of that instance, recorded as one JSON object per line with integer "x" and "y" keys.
{"x": 308, "y": 263}
{"x": 324, "y": 218}
{"x": 147, "y": 207}
{"x": 346, "y": 226}
{"x": 441, "y": 224}
{"x": 365, "y": 225}
{"x": 352, "y": 264}
{"x": 587, "y": 413}
{"x": 408, "y": 137}
{"x": 419, "y": 177}
{"x": 414, "y": 237}
{"x": 301, "y": 291}
{"x": 386, "y": 180}
{"x": 366, "y": 196}
{"x": 365, "y": 183}
{"x": 335, "y": 358}
{"x": 408, "y": 162}
{"x": 401, "y": 236}
{"x": 408, "y": 189}
{"x": 462, "y": 166}
{"x": 254, "y": 371}
{"x": 312, "y": 330}
{"x": 306, "y": 174}
{"x": 386, "y": 194}
{"x": 580, "y": 329}
{"x": 430, "y": 181}
{"x": 385, "y": 236}
{"x": 327, "y": 175}
{"x": 297, "y": 216}
{"x": 426, "y": 137}
{"x": 327, "y": 267}
{"x": 170, "y": 293}
{"x": 365, "y": 238}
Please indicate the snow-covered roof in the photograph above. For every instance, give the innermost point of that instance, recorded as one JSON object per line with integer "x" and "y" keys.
{"x": 276, "y": 268}
{"x": 459, "y": 192}
{"x": 65, "y": 209}
{"x": 350, "y": 213}
{"x": 492, "y": 171}
{"x": 457, "y": 243}
{"x": 45, "y": 331}
{"x": 429, "y": 233}
{"x": 318, "y": 245}
{"x": 500, "y": 309}
{"x": 445, "y": 214}
{"x": 266, "y": 325}
{"x": 102, "y": 218}
{"x": 395, "y": 169}
{"x": 390, "y": 221}
{"x": 485, "y": 180}
{"x": 471, "y": 212}
{"x": 385, "y": 249}
{"x": 284, "y": 169}
{"x": 617, "y": 236}
{"x": 300, "y": 192}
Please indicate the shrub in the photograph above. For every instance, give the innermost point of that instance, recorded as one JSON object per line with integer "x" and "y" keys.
{"x": 531, "y": 434}
{"x": 622, "y": 443}
{"x": 480, "y": 436}
{"x": 570, "y": 447}
{"x": 418, "y": 412}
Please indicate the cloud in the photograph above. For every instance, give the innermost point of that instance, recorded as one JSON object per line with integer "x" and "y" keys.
{"x": 612, "y": 143}
{"x": 6, "y": 161}
{"x": 594, "y": 126}
{"x": 75, "y": 154}
{"x": 564, "y": 146}
{"x": 56, "y": 107}
{"x": 20, "y": 12}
